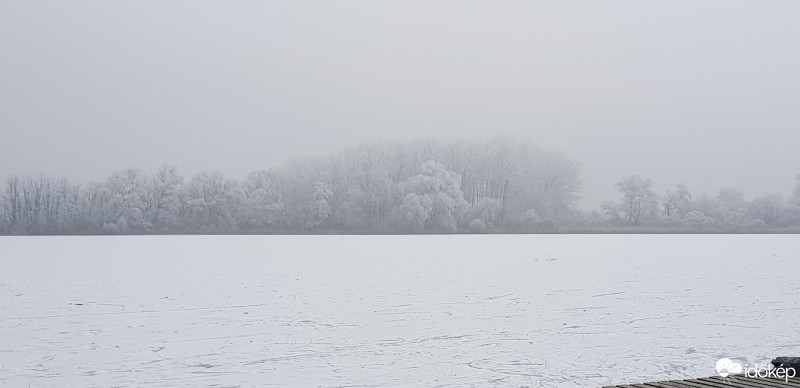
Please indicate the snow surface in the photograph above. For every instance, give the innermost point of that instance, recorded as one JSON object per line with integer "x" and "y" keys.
{"x": 484, "y": 310}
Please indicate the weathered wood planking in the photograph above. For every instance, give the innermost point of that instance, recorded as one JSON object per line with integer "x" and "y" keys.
{"x": 738, "y": 381}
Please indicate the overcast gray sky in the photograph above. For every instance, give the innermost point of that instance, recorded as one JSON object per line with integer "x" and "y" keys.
{"x": 705, "y": 93}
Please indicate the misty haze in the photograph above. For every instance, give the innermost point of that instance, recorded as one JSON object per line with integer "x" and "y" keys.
{"x": 503, "y": 185}
{"x": 396, "y": 193}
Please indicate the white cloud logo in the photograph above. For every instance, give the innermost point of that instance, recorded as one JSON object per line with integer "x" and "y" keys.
{"x": 726, "y": 367}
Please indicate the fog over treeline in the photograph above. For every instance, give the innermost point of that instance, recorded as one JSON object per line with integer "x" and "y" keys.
{"x": 504, "y": 185}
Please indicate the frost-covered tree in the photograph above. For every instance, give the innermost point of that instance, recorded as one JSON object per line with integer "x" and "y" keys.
{"x": 12, "y": 204}
{"x": 35, "y": 205}
{"x": 614, "y": 212}
{"x": 97, "y": 199}
{"x": 128, "y": 197}
{"x": 483, "y": 215}
{"x": 4, "y": 214}
{"x": 432, "y": 200}
{"x": 638, "y": 199}
{"x": 705, "y": 204}
{"x": 262, "y": 204}
{"x": 522, "y": 177}
{"x": 791, "y": 215}
{"x": 796, "y": 194}
{"x": 75, "y": 210}
{"x": 697, "y": 220}
{"x": 768, "y": 208}
{"x": 791, "y": 212}
{"x": 211, "y": 200}
{"x": 731, "y": 212}
{"x": 557, "y": 183}
{"x": 684, "y": 199}
{"x": 307, "y": 195}
{"x": 676, "y": 204}
{"x": 731, "y": 197}
{"x": 321, "y": 209}
{"x": 363, "y": 186}
{"x": 165, "y": 191}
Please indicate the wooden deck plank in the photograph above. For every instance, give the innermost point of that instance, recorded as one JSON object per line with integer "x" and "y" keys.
{"x": 756, "y": 383}
{"x": 661, "y": 384}
{"x": 669, "y": 384}
{"x": 738, "y": 381}
{"x": 770, "y": 382}
{"x": 795, "y": 382}
{"x": 716, "y": 383}
{"x": 703, "y": 383}
{"x": 773, "y": 382}
{"x": 627, "y": 386}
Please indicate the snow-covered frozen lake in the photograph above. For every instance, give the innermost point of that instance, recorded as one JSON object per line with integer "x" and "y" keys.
{"x": 331, "y": 311}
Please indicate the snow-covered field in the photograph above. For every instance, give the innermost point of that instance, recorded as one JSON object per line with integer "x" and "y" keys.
{"x": 330, "y": 311}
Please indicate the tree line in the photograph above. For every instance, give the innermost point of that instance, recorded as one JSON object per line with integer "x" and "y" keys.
{"x": 504, "y": 185}
{"x": 381, "y": 187}
{"x": 678, "y": 209}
